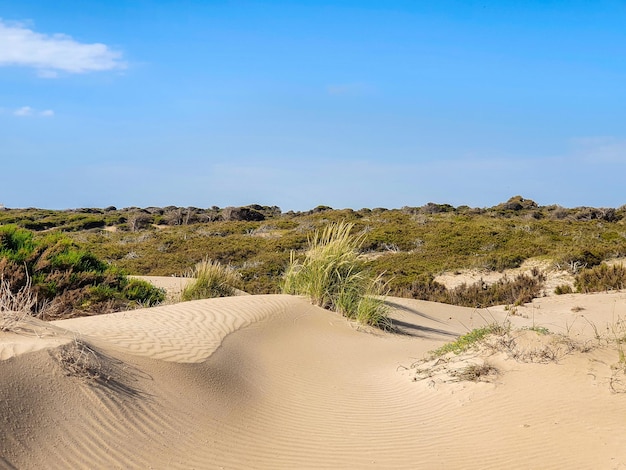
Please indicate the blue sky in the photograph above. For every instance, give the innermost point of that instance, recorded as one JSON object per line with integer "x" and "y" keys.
{"x": 355, "y": 104}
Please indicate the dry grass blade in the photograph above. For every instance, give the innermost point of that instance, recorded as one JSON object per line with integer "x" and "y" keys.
{"x": 15, "y": 307}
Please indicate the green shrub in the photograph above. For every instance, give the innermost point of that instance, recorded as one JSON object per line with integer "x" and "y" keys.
{"x": 16, "y": 244}
{"x": 576, "y": 261}
{"x": 405, "y": 244}
{"x": 210, "y": 279}
{"x": 563, "y": 289}
{"x": 66, "y": 279}
{"x": 500, "y": 263}
{"x": 143, "y": 292}
{"x": 333, "y": 277}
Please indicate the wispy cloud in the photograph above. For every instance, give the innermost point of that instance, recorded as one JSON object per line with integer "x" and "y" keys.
{"x": 27, "y": 111}
{"x": 23, "y": 111}
{"x": 51, "y": 54}
{"x": 600, "y": 149}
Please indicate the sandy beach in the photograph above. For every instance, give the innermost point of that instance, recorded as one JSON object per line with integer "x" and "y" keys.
{"x": 271, "y": 381}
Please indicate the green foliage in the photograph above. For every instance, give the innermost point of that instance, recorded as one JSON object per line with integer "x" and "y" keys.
{"x": 333, "y": 277}
{"x": 210, "y": 279}
{"x": 16, "y": 244}
{"x": 465, "y": 342}
{"x": 500, "y": 263}
{"x": 404, "y": 244}
{"x": 540, "y": 330}
{"x": 142, "y": 292}
{"x": 67, "y": 279}
{"x": 563, "y": 289}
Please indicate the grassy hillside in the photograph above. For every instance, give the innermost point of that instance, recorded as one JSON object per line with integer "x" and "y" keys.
{"x": 409, "y": 246}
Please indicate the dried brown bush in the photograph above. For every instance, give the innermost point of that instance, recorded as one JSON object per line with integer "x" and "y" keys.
{"x": 601, "y": 278}
{"x": 519, "y": 290}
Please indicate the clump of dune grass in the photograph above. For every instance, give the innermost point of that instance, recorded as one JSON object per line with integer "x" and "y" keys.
{"x": 333, "y": 277}
{"x": 210, "y": 279}
{"x": 468, "y": 340}
{"x": 15, "y": 306}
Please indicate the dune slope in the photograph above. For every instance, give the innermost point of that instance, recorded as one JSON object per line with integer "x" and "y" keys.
{"x": 273, "y": 382}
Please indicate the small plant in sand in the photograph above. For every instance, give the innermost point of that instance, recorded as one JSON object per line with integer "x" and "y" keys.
{"x": 615, "y": 337}
{"x": 466, "y": 358}
{"x": 333, "y": 277}
{"x": 465, "y": 342}
{"x": 563, "y": 289}
{"x": 210, "y": 279}
{"x": 476, "y": 373}
{"x": 80, "y": 360}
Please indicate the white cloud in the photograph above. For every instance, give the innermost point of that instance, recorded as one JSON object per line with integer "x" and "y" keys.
{"x": 49, "y": 54}
{"x": 23, "y": 111}
{"x": 600, "y": 149}
{"x": 27, "y": 111}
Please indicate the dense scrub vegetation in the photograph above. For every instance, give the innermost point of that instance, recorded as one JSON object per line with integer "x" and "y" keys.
{"x": 66, "y": 280}
{"x": 408, "y": 246}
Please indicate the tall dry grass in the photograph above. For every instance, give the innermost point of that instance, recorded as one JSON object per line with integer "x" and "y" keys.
{"x": 333, "y": 277}
{"x": 15, "y": 306}
{"x": 210, "y": 279}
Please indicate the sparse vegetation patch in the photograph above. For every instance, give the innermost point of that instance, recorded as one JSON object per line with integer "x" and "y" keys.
{"x": 464, "y": 359}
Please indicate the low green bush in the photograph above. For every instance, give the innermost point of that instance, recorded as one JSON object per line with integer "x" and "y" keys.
{"x": 16, "y": 244}
{"x": 404, "y": 244}
{"x": 563, "y": 289}
{"x": 142, "y": 292}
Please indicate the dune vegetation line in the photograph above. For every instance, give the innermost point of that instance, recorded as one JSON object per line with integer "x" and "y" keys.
{"x": 76, "y": 261}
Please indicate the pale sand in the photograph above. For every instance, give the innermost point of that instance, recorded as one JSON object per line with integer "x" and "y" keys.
{"x": 273, "y": 382}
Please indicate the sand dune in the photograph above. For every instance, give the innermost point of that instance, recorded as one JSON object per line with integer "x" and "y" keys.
{"x": 273, "y": 382}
